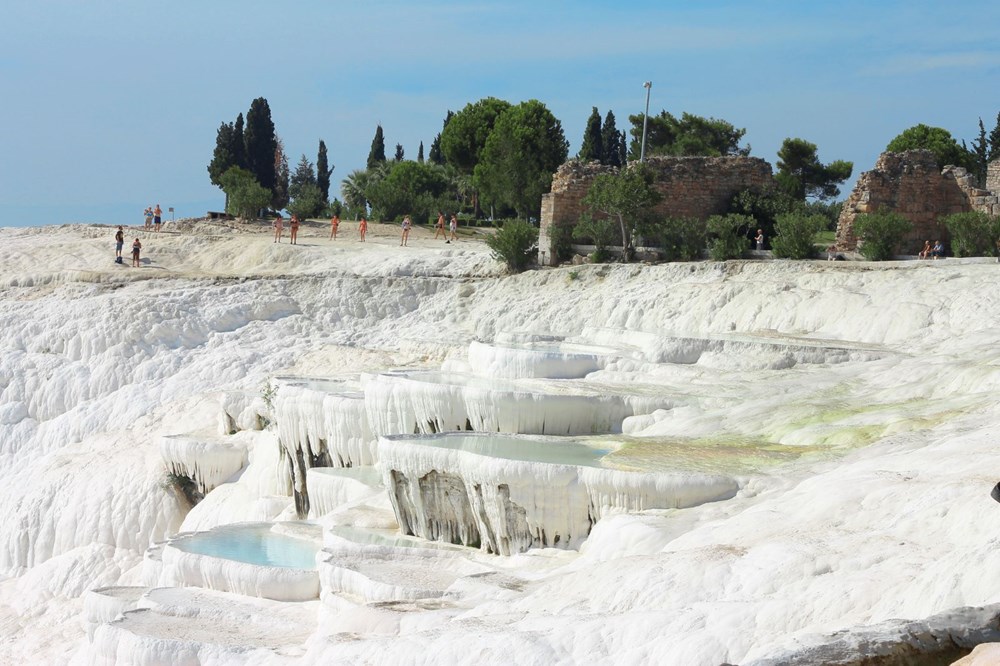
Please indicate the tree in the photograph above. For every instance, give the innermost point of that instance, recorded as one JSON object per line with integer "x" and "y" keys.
{"x": 973, "y": 234}
{"x": 880, "y": 232}
{"x": 730, "y": 236}
{"x": 229, "y": 150}
{"x": 995, "y": 142}
{"x": 935, "y": 139}
{"x": 514, "y": 244}
{"x": 420, "y": 153}
{"x": 399, "y": 153}
{"x": 592, "y": 147}
{"x": 307, "y": 201}
{"x": 690, "y": 135}
{"x": 522, "y": 152}
{"x": 261, "y": 143}
{"x": 244, "y": 195}
{"x": 612, "y": 142}
{"x": 436, "y": 156}
{"x": 407, "y": 187}
{"x": 280, "y": 196}
{"x": 465, "y": 133}
{"x": 353, "y": 188}
{"x": 323, "y": 172}
{"x": 627, "y": 197}
{"x": 304, "y": 174}
{"x": 377, "y": 153}
{"x": 795, "y": 235}
{"x": 801, "y": 174}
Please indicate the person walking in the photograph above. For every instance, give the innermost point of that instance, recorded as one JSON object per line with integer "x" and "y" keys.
{"x": 279, "y": 226}
{"x": 157, "y": 214}
{"x": 453, "y": 227}
{"x": 363, "y": 228}
{"x": 294, "y": 229}
{"x": 136, "y": 247}
{"x": 334, "y": 224}
{"x": 119, "y": 243}
{"x": 439, "y": 227}
{"x": 407, "y": 224}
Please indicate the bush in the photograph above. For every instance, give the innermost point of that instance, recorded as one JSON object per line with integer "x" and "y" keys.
{"x": 880, "y": 234}
{"x": 515, "y": 244}
{"x": 795, "y": 234}
{"x": 245, "y": 197}
{"x": 307, "y": 201}
{"x": 730, "y": 240}
{"x": 682, "y": 238}
{"x": 764, "y": 206}
{"x": 599, "y": 231}
{"x": 335, "y": 207}
{"x": 561, "y": 238}
{"x": 973, "y": 234}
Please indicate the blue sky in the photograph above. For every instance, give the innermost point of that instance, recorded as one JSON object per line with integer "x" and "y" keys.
{"x": 110, "y": 106}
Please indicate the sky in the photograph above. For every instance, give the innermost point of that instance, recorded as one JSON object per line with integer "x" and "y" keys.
{"x": 111, "y": 106}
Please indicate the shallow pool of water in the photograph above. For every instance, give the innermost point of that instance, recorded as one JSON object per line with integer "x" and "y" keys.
{"x": 532, "y": 449}
{"x": 253, "y": 543}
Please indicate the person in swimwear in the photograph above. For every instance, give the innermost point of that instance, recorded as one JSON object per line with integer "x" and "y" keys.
{"x": 453, "y": 227}
{"x": 294, "y": 229}
{"x": 157, "y": 215}
{"x": 439, "y": 227}
{"x": 363, "y": 228}
{"x": 136, "y": 247}
{"x": 334, "y": 224}
{"x": 407, "y": 224}
{"x": 926, "y": 252}
{"x": 279, "y": 226}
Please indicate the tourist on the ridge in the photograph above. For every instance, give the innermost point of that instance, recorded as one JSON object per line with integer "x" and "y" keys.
{"x": 363, "y": 228}
{"x": 157, "y": 213}
{"x": 453, "y": 226}
{"x": 926, "y": 252}
{"x": 294, "y": 229}
{"x": 831, "y": 252}
{"x": 439, "y": 227}
{"x": 136, "y": 246}
{"x": 406, "y": 230}
{"x": 279, "y": 226}
{"x": 937, "y": 251}
{"x": 148, "y": 215}
{"x": 119, "y": 243}
{"x": 334, "y": 223}
{"x": 759, "y": 239}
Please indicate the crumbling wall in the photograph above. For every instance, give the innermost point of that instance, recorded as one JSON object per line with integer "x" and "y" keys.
{"x": 691, "y": 187}
{"x": 911, "y": 184}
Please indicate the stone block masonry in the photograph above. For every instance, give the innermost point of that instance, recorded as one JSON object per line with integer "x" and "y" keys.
{"x": 691, "y": 187}
{"x": 911, "y": 184}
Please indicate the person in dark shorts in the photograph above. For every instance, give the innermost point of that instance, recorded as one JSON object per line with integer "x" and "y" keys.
{"x": 157, "y": 213}
{"x": 136, "y": 247}
{"x": 119, "y": 242}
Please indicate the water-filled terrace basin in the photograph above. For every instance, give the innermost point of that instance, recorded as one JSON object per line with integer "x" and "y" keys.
{"x": 554, "y": 360}
{"x": 267, "y": 560}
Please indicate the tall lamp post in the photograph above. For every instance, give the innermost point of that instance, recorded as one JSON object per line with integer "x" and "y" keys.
{"x": 645, "y": 120}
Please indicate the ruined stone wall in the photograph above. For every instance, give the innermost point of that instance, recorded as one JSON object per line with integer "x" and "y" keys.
{"x": 691, "y": 187}
{"x": 993, "y": 182}
{"x": 911, "y": 184}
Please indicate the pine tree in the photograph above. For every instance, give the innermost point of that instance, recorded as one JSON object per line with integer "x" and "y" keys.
{"x": 377, "y": 153}
{"x": 994, "y": 152}
{"x": 622, "y": 148}
{"x": 399, "y": 152}
{"x": 436, "y": 156}
{"x": 323, "y": 172}
{"x": 592, "y": 148}
{"x": 304, "y": 174}
{"x": 280, "y": 193}
{"x": 260, "y": 142}
{"x": 239, "y": 147}
{"x": 420, "y": 153}
{"x": 980, "y": 155}
{"x": 610, "y": 141}
{"x": 222, "y": 157}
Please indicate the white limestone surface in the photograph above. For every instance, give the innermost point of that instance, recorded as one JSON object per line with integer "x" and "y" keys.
{"x": 559, "y": 360}
{"x": 204, "y": 458}
{"x": 331, "y": 487}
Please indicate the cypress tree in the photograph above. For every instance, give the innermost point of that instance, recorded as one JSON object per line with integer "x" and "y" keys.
{"x": 980, "y": 155}
{"x": 238, "y": 147}
{"x": 435, "y": 155}
{"x": 323, "y": 171}
{"x": 377, "y": 153}
{"x": 260, "y": 142}
{"x": 420, "y": 153}
{"x": 399, "y": 152}
{"x": 222, "y": 157}
{"x": 994, "y": 152}
{"x": 592, "y": 147}
{"x": 610, "y": 141}
{"x": 280, "y": 193}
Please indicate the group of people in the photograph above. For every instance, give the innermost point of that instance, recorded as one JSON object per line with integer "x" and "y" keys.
{"x": 120, "y": 242}
{"x": 452, "y": 226}
{"x": 407, "y": 226}
{"x": 152, "y": 217}
{"x": 932, "y": 252}
{"x": 293, "y": 228}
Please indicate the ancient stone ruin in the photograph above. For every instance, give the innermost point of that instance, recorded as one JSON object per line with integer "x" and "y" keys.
{"x": 910, "y": 183}
{"x": 691, "y": 187}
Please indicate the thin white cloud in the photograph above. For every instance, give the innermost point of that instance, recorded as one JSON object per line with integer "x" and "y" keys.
{"x": 919, "y": 63}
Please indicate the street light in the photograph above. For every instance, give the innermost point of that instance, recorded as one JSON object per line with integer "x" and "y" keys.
{"x": 645, "y": 118}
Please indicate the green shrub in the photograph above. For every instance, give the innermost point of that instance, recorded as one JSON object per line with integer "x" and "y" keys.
{"x": 729, "y": 232}
{"x": 515, "y": 244}
{"x": 763, "y": 205}
{"x": 880, "y": 234}
{"x": 600, "y": 232}
{"x": 244, "y": 195}
{"x": 307, "y": 201}
{"x": 682, "y": 238}
{"x": 795, "y": 234}
{"x": 973, "y": 234}
{"x": 561, "y": 238}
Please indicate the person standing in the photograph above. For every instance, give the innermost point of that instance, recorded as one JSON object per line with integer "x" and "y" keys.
{"x": 760, "y": 239}
{"x": 439, "y": 227}
{"x": 148, "y": 215}
{"x": 279, "y": 226}
{"x": 334, "y": 224}
{"x": 119, "y": 243}
{"x": 453, "y": 227}
{"x": 406, "y": 230}
{"x": 136, "y": 247}
{"x": 294, "y": 229}
{"x": 363, "y": 228}
{"x": 157, "y": 213}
